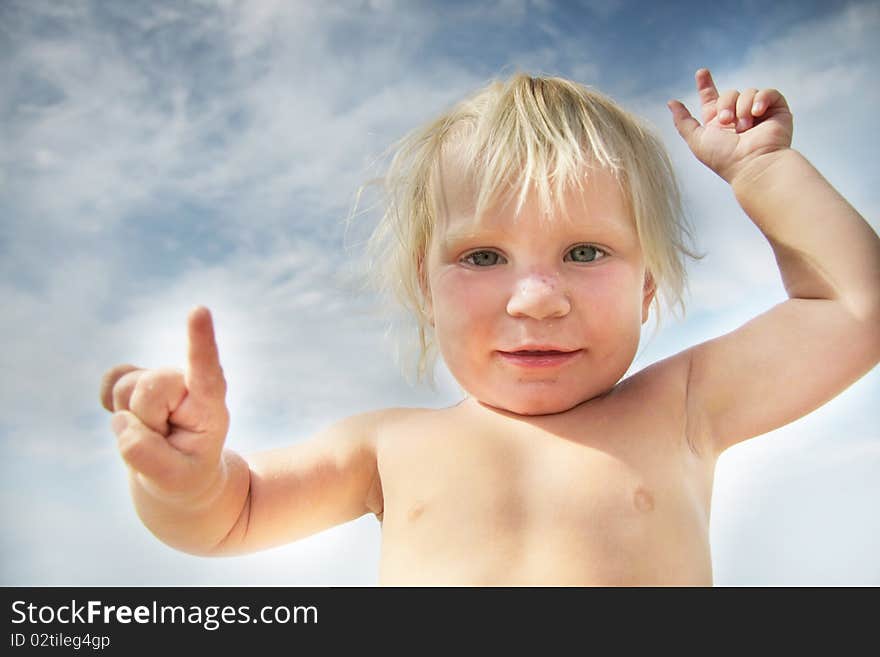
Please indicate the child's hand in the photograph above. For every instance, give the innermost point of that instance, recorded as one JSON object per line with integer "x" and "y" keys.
{"x": 171, "y": 426}
{"x": 739, "y": 129}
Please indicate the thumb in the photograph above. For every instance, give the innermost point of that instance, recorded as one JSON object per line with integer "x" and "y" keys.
{"x": 688, "y": 127}
{"x": 204, "y": 376}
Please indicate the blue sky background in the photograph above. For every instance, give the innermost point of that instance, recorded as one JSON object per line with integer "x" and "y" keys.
{"x": 154, "y": 156}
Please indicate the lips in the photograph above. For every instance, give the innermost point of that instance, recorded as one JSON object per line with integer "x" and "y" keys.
{"x": 540, "y": 356}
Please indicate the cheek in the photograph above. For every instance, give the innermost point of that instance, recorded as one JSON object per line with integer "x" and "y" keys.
{"x": 465, "y": 304}
{"x": 460, "y": 292}
{"x": 610, "y": 296}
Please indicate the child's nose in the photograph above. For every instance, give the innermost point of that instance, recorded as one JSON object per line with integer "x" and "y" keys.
{"x": 539, "y": 296}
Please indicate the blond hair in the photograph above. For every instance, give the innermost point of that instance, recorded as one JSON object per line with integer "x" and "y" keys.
{"x": 540, "y": 133}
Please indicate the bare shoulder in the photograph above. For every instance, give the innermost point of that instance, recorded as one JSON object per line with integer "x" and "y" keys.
{"x": 364, "y": 429}
{"x": 352, "y": 442}
{"x": 664, "y": 381}
{"x": 660, "y": 393}
{"x": 368, "y": 426}
{"x": 357, "y": 438}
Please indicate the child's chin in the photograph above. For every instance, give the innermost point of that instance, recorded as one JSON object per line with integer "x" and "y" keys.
{"x": 542, "y": 402}
{"x": 536, "y": 406}
{"x": 544, "y": 409}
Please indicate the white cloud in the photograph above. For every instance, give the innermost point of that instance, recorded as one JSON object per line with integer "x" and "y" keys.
{"x": 795, "y": 507}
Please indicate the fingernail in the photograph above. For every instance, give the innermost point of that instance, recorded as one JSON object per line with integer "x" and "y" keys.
{"x": 118, "y": 423}
{"x": 726, "y": 116}
{"x": 758, "y": 107}
{"x": 742, "y": 125}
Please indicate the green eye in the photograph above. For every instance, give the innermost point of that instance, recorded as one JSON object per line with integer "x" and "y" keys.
{"x": 483, "y": 258}
{"x": 585, "y": 253}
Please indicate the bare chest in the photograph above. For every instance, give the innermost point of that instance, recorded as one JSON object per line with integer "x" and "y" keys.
{"x": 591, "y": 502}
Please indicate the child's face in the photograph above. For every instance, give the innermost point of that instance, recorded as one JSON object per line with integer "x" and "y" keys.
{"x": 575, "y": 284}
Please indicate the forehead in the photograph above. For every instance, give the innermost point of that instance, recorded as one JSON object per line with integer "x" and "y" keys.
{"x": 456, "y": 185}
{"x": 599, "y": 202}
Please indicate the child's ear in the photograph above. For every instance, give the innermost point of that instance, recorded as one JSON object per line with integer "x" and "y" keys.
{"x": 649, "y": 290}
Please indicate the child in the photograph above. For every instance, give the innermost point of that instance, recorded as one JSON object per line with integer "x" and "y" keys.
{"x": 530, "y": 229}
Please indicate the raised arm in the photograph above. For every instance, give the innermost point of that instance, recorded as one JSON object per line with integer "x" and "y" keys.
{"x": 801, "y": 353}
{"x": 199, "y": 498}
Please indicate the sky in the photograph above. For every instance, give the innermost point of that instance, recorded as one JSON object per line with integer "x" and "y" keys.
{"x": 156, "y": 156}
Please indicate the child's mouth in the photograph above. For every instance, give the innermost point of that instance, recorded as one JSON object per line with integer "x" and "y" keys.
{"x": 539, "y": 357}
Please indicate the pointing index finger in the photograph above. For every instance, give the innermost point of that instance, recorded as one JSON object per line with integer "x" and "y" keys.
{"x": 204, "y": 374}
